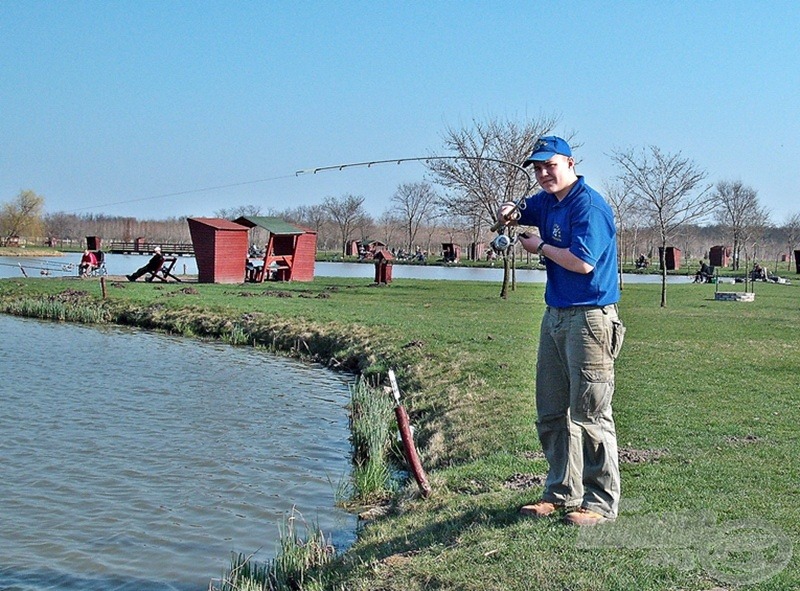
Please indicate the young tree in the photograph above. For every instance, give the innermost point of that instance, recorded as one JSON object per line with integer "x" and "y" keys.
{"x": 669, "y": 189}
{"x": 627, "y": 216}
{"x": 486, "y": 171}
{"x": 414, "y": 204}
{"x": 792, "y": 229}
{"x": 22, "y": 216}
{"x": 740, "y": 213}
{"x": 347, "y": 213}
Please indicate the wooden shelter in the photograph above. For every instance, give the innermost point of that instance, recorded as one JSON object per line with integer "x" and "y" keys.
{"x": 290, "y": 251}
{"x": 451, "y": 252}
{"x": 220, "y": 247}
{"x": 364, "y": 248}
{"x": 672, "y": 257}
{"x": 719, "y": 256}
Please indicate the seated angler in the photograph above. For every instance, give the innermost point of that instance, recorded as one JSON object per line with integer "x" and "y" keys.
{"x": 153, "y": 265}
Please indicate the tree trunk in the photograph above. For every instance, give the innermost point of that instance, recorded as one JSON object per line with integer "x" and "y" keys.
{"x": 662, "y": 260}
{"x": 506, "y": 275}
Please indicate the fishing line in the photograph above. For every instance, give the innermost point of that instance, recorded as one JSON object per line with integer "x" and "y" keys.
{"x": 187, "y": 192}
{"x": 519, "y": 204}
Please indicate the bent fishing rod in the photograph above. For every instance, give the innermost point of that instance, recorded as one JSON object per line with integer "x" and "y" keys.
{"x": 501, "y": 241}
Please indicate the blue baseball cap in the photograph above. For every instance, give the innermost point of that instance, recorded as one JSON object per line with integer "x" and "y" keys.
{"x": 547, "y": 147}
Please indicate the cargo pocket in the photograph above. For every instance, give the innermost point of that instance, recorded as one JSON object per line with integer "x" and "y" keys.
{"x": 617, "y": 337}
{"x": 597, "y": 388}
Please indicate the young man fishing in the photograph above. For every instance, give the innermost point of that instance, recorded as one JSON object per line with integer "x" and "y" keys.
{"x": 581, "y": 337}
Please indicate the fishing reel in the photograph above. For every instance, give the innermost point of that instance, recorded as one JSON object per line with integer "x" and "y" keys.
{"x": 502, "y": 242}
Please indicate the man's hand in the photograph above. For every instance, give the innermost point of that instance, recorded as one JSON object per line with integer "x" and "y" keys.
{"x": 508, "y": 214}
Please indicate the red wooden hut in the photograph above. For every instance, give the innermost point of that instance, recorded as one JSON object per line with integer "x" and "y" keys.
{"x": 451, "y": 252}
{"x": 719, "y": 256}
{"x": 672, "y": 257}
{"x": 290, "y": 251}
{"x": 220, "y": 247}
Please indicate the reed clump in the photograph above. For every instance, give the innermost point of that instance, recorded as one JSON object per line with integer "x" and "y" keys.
{"x": 371, "y": 425}
{"x": 58, "y": 309}
{"x": 293, "y": 566}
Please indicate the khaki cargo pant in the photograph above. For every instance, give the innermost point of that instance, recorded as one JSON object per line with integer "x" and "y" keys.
{"x": 574, "y": 387}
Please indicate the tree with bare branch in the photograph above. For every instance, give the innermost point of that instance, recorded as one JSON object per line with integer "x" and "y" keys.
{"x": 231, "y": 213}
{"x": 669, "y": 188}
{"x": 346, "y": 212}
{"x": 414, "y": 204}
{"x": 22, "y": 215}
{"x": 792, "y": 229}
{"x": 739, "y": 212}
{"x": 625, "y": 213}
{"x": 484, "y": 175}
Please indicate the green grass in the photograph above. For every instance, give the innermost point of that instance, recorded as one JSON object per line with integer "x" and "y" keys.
{"x": 706, "y": 397}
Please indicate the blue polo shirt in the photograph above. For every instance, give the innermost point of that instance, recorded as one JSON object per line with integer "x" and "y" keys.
{"x": 584, "y": 223}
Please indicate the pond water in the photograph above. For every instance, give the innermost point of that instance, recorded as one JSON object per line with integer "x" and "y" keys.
{"x": 119, "y": 264}
{"x": 134, "y": 460}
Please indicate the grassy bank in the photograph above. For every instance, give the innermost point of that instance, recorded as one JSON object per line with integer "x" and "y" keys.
{"x": 705, "y": 406}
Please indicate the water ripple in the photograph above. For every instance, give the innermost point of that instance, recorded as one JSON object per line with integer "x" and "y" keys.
{"x": 140, "y": 461}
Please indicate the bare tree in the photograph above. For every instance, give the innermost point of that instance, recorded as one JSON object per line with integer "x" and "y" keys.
{"x": 231, "y": 213}
{"x": 347, "y": 213}
{"x": 738, "y": 211}
{"x": 625, "y": 208}
{"x": 792, "y": 229}
{"x": 22, "y": 216}
{"x": 669, "y": 188}
{"x": 390, "y": 226}
{"x": 311, "y": 216}
{"x": 484, "y": 176}
{"x": 414, "y": 204}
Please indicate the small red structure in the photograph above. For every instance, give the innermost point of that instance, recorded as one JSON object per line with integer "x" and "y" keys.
{"x": 451, "y": 252}
{"x": 383, "y": 266}
{"x": 220, "y": 247}
{"x": 719, "y": 256}
{"x": 290, "y": 252}
{"x": 672, "y": 257}
{"x": 365, "y": 249}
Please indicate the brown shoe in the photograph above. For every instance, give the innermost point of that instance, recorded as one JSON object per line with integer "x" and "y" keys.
{"x": 540, "y": 509}
{"x": 584, "y": 517}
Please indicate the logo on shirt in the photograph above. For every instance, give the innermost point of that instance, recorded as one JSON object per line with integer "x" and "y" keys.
{"x": 556, "y": 233}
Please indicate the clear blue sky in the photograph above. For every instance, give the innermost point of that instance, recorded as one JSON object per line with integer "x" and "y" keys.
{"x": 127, "y": 107}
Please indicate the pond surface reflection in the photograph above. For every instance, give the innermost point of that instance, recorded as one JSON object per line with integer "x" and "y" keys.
{"x": 134, "y": 460}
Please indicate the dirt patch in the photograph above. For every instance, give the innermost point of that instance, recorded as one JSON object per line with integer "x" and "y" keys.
{"x": 629, "y": 455}
{"x": 520, "y": 481}
{"x": 397, "y": 560}
{"x": 414, "y": 345}
{"x": 742, "y": 439}
{"x": 72, "y": 293}
{"x": 274, "y": 293}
